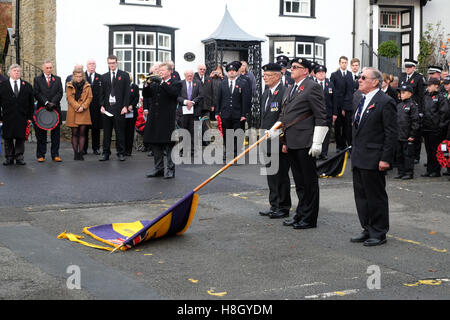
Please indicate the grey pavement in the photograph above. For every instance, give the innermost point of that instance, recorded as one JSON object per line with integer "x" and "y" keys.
{"x": 229, "y": 252}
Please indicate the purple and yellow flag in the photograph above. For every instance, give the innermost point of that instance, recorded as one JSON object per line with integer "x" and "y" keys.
{"x": 174, "y": 221}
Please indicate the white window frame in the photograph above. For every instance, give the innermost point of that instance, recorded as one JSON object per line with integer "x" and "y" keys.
{"x": 146, "y": 45}
{"x": 164, "y": 52}
{"x": 116, "y": 45}
{"x": 166, "y": 35}
{"x": 316, "y": 50}
{"x": 285, "y": 46}
{"x": 142, "y": 2}
{"x": 390, "y": 27}
{"x": 144, "y": 65}
{"x": 307, "y": 12}
{"x": 304, "y": 55}
{"x": 121, "y": 63}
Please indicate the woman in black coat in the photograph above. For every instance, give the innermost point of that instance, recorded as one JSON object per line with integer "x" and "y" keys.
{"x": 387, "y": 89}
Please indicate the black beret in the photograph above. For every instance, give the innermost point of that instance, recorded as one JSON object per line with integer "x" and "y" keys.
{"x": 303, "y": 62}
{"x": 320, "y": 68}
{"x": 406, "y": 87}
{"x": 433, "y": 81}
{"x": 272, "y": 67}
{"x": 235, "y": 65}
{"x": 283, "y": 61}
{"x": 447, "y": 80}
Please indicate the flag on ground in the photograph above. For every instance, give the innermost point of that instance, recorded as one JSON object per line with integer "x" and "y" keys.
{"x": 335, "y": 166}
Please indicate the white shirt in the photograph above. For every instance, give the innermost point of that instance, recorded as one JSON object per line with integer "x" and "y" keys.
{"x": 369, "y": 97}
{"x": 12, "y": 83}
{"x": 187, "y": 86}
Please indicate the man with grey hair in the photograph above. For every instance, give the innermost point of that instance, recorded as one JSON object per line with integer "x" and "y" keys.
{"x": 16, "y": 108}
{"x": 374, "y": 138}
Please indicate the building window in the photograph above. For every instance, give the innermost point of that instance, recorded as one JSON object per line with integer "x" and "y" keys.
{"x": 304, "y": 50}
{"x": 300, "y": 8}
{"x": 311, "y": 48}
{"x": 139, "y": 47}
{"x": 142, "y": 2}
{"x": 389, "y": 20}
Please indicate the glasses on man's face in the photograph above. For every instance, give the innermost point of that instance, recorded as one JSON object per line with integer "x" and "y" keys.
{"x": 363, "y": 78}
{"x": 297, "y": 67}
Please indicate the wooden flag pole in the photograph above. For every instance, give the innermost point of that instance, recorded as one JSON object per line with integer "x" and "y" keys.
{"x": 229, "y": 164}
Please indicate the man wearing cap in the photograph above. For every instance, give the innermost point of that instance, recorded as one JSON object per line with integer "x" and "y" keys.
{"x": 16, "y": 108}
{"x": 271, "y": 107}
{"x": 232, "y": 101}
{"x": 417, "y": 81}
{"x": 435, "y": 124}
{"x": 408, "y": 127}
{"x": 304, "y": 120}
{"x": 328, "y": 90}
{"x": 285, "y": 74}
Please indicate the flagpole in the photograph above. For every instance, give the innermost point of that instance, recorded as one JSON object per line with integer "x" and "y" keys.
{"x": 229, "y": 164}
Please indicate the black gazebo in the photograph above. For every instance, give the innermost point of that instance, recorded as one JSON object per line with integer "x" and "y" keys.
{"x": 230, "y": 39}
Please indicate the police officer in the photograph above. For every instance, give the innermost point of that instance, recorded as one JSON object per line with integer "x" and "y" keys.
{"x": 417, "y": 81}
{"x": 408, "y": 124}
{"x": 286, "y": 79}
{"x": 271, "y": 106}
{"x": 232, "y": 100}
{"x": 328, "y": 89}
{"x": 434, "y": 126}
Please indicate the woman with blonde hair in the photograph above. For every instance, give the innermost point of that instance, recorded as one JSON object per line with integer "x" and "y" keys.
{"x": 79, "y": 97}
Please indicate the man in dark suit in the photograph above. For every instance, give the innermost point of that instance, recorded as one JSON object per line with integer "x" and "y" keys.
{"x": 279, "y": 182}
{"x": 206, "y": 84}
{"x": 354, "y": 66}
{"x": 161, "y": 94}
{"x": 94, "y": 80}
{"x": 305, "y": 126}
{"x": 48, "y": 92}
{"x": 115, "y": 99}
{"x": 131, "y": 116}
{"x": 374, "y": 140}
{"x": 417, "y": 81}
{"x": 16, "y": 108}
{"x": 189, "y": 104}
{"x": 233, "y": 99}
{"x": 343, "y": 93}
{"x": 330, "y": 103}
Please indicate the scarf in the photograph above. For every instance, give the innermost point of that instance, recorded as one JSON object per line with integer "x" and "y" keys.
{"x": 78, "y": 89}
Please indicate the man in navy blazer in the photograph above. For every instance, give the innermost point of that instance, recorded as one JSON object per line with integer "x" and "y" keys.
{"x": 232, "y": 101}
{"x": 374, "y": 139}
{"x": 343, "y": 92}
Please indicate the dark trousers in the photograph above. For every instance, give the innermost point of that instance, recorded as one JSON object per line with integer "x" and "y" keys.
{"x": 372, "y": 203}
{"x": 14, "y": 149}
{"x": 118, "y": 124}
{"x": 95, "y": 138}
{"x": 130, "y": 125}
{"x": 306, "y": 180}
{"x": 343, "y": 130}
{"x": 187, "y": 122}
{"x": 432, "y": 141}
{"x": 158, "y": 154}
{"x": 280, "y": 185}
{"x": 405, "y": 157}
{"x": 418, "y": 146}
{"x": 233, "y": 124}
{"x": 326, "y": 141}
{"x": 41, "y": 145}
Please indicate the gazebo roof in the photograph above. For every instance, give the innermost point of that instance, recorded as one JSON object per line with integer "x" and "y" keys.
{"x": 229, "y": 30}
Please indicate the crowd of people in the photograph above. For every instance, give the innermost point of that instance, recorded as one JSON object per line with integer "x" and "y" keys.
{"x": 381, "y": 118}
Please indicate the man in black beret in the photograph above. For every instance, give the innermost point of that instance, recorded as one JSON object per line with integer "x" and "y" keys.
{"x": 304, "y": 120}
{"x": 279, "y": 182}
{"x": 286, "y": 79}
{"x": 232, "y": 101}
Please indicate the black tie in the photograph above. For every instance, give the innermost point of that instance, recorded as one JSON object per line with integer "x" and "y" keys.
{"x": 292, "y": 92}
{"x": 358, "y": 112}
{"x": 231, "y": 87}
{"x": 16, "y": 89}
{"x": 269, "y": 96}
{"x": 113, "y": 84}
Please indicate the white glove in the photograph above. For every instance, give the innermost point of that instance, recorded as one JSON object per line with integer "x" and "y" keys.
{"x": 318, "y": 137}
{"x": 274, "y": 132}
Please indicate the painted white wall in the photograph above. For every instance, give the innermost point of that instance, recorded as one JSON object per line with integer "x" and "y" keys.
{"x": 82, "y": 32}
{"x": 435, "y": 11}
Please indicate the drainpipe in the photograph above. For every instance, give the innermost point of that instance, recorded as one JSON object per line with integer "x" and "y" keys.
{"x": 16, "y": 36}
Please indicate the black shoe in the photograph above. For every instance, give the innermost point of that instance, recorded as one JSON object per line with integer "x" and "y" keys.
{"x": 121, "y": 157}
{"x": 416, "y": 161}
{"x": 80, "y": 156}
{"x": 279, "y": 214}
{"x": 266, "y": 213}
{"x": 446, "y": 173}
{"x": 20, "y": 162}
{"x": 8, "y": 162}
{"x": 303, "y": 225}
{"x": 155, "y": 173}
{"x": 434, "y": 175}
{"x": 105, "y": 157}
{"x": 425, "y": 174}
{"x": 399, "y": 176}
{"x": 170, "y": 174}
{"x": 407, "y": 177}
{"x": 96, "y": 152}
{"x": 361, "y": 238}
{"x": 127, "y": 154}
{"x": 150, "y": 154}
{"x": 75, "y": 156}
{"x": 83, "y": 153}
{"x": 373, "y": 242}
{"x": 289, "y": 222}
